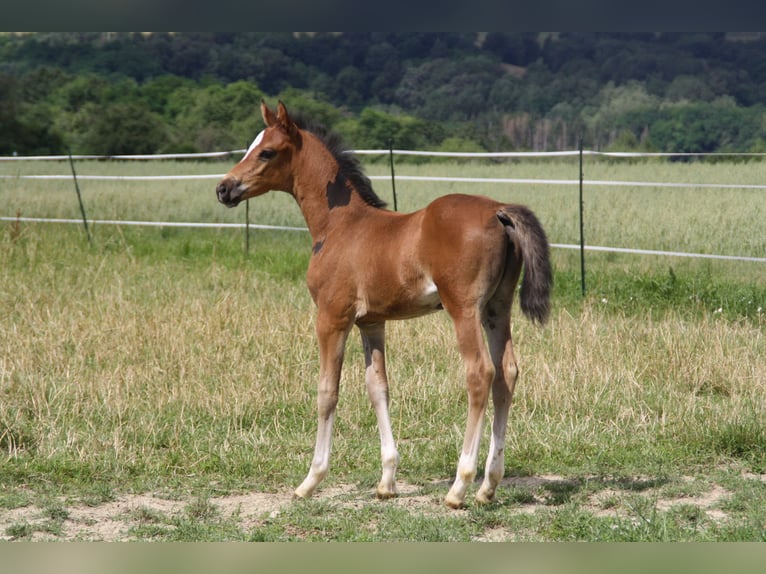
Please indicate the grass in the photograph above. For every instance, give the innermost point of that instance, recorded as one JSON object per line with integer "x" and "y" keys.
{"x": 165, "y": 360}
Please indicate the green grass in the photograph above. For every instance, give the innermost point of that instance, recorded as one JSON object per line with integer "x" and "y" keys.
{"x": 168, "y": 361}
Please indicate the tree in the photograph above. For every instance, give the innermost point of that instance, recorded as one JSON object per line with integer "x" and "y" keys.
{"x": 80, "y": 90}
{"x": 158, "y": 93}
{"x": 702, "y": 127}
{"x": 300, "y": 103}
{"x": 25, "y": 129}
{"x": 689, "y": 88}
{"x": 546, "y": 83}
{"x": 124, "y": 129}
{"x": 517, "y": 49}
{"x": 376, "y": 130}
{"x": 616, "y": 102}
{"x": 220, "y": 117}
{"x": 351, "y": 87}
{"x": 10, "y": 127}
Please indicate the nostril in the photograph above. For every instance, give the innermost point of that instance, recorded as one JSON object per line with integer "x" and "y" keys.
{"x": 228, "y": 191}
{"x": 222, "y": 189}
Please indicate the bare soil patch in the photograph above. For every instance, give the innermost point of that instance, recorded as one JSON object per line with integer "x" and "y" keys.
{"x": 113, "y": 521}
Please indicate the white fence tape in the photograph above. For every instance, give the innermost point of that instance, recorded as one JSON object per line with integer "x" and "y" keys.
{"x": 154, "y": 223}
{"x": 595, "y": 182}
{"x": 116, "y": 177}
{"x": 668, "y": 253}
{"x": 208, "y": 155}
{"x": 456, "y": 154}
{"x": 571, "y": 182}
{"x": 386, "y": 177}
{"x": 288, "y": 228}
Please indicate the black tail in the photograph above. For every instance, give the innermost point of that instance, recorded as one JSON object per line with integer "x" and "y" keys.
{"x": 526, "y": 233}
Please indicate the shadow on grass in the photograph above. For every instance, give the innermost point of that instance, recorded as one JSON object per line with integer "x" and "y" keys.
{"x": 552, "y": 490}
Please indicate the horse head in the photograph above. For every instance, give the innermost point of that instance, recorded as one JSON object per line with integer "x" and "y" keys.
{"x": 267, "y": 163}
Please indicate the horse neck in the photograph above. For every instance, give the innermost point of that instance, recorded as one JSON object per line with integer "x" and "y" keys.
{"x": 315, "y": 171}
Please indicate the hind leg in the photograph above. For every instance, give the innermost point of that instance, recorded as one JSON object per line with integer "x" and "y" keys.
{"x": 497, "y": 325}
{"x": 479, "y": 374}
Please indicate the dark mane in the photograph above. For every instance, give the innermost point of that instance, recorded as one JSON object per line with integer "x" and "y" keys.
{"x": 348, "y": 163}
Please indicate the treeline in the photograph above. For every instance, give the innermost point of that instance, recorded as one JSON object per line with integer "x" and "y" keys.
{"x": 112, "y": 93}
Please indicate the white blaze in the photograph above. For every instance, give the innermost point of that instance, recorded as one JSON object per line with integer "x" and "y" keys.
{"x": 253, "y": 145}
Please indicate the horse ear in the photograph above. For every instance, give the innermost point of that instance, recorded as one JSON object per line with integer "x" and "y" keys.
{"x": 287, "y": 123}
{"x": 282, "y": 115}
{"x": 268, "y": 116}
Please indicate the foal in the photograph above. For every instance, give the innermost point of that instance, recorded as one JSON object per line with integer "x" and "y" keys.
{"x": 461, "y": 253}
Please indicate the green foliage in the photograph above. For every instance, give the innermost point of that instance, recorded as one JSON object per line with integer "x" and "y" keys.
{"x": 312, "y": 107}
{"x": 25, "y": 128}
{"x": 705, "y": 127}
{"x": 672, "y": 92}
{"x": 222, "y": 116}
{"x": 377, "y": 130}
{"x": 123, "y": 128}
{"x": 459, "y": 144}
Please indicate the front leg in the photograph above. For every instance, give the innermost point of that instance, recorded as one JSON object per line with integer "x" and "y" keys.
{"x": 373, "y": 340}
{"x": 332, "y": 343}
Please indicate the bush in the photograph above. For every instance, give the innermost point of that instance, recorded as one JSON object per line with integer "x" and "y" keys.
{"x": 124, "y": 128}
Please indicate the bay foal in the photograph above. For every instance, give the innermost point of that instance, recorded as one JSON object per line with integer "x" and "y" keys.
{"x": 461, "y": 253}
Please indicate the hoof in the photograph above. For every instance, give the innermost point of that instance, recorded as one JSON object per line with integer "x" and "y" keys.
{"x": 485, "y": 498}
{"x": 386, "y": 494}
{"x": 454, "y": 503}
{"x": 386, "y": 490}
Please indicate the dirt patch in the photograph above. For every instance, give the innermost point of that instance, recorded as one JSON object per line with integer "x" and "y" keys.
{"x": 250, "y": 509}
{"x": 705, "y": 502}
{"x": 109, "y": 522}
{"x": 116, "y": 520}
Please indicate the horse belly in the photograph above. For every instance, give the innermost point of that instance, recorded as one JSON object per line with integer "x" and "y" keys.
{"x": 399, "y": 303}
{"x": 428, "y": 299}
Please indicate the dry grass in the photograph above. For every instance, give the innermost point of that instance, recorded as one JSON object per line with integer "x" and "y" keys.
{"x": 162, "y": 360}
{"x": 111, "y": 357}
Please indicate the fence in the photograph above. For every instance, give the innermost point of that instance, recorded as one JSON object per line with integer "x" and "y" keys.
{"x": 580, "y": 182}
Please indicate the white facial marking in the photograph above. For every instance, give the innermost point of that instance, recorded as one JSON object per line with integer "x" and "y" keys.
{"x": 253, "y": 145}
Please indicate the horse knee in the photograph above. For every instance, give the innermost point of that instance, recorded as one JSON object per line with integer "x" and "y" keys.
{"x": 512, "y": 373}
{"x": 326, "y": 402}
{"x": 504, "y": 384}
{"x": 479, "y": 379}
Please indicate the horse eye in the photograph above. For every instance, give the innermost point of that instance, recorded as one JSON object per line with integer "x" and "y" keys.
{"x": 267, "y": 154}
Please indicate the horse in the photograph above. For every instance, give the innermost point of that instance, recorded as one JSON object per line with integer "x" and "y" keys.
{"x": 461, "y": 253}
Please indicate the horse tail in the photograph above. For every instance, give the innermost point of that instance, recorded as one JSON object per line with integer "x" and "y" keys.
{"x": 529, "y": 241}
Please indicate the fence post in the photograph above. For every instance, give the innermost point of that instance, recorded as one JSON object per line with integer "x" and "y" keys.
{"x": 393, "y": 177}
{"x": 247, "y": 227}
{"x": 79, "y": 198}
{"x": 582, "y": 225}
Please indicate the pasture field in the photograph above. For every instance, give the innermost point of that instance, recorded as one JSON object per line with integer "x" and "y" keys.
{"x": 160, "y": 383}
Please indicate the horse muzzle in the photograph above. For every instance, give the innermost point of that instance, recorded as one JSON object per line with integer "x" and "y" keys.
{"x": 230, "y": 192}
